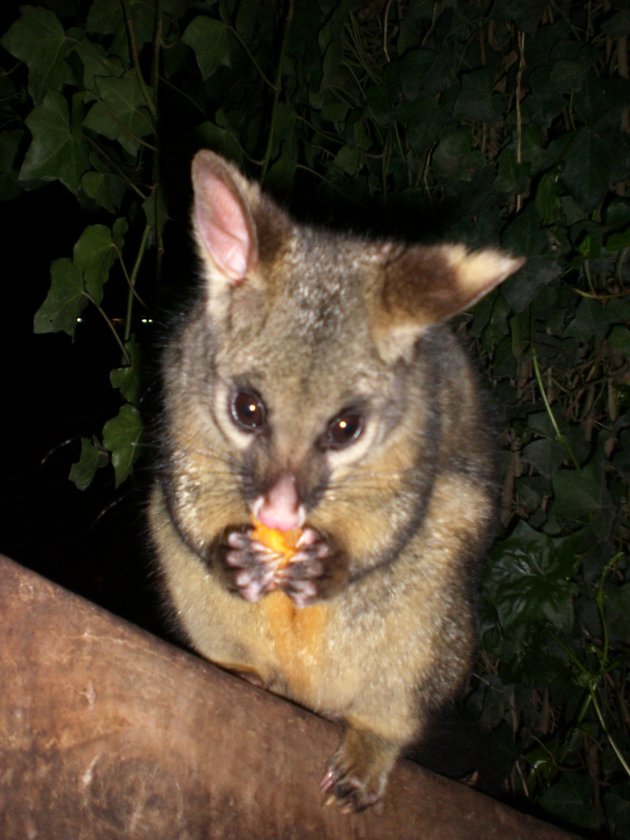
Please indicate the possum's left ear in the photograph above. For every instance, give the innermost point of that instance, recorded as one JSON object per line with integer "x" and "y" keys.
{"x": 222, "y": 219}
{"x": 426, "y": 285}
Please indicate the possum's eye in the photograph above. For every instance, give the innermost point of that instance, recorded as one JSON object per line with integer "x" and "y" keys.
{"x": 344, "y": 429}
{"x": 248, "y": 411}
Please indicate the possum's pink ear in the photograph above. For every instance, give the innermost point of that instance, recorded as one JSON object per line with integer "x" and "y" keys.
{"x": 426, "y": 285}
{"x": 222, "y": 219}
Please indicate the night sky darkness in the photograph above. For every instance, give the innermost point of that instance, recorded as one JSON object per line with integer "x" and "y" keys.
{"x": 56, "y": 390}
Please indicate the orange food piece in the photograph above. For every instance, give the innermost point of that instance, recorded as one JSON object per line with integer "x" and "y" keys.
{"x": 282, "y": 543}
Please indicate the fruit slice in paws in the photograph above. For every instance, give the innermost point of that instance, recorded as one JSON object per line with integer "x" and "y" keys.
{"x": 281, "y": 543}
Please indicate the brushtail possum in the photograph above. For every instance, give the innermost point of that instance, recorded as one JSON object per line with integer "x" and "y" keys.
{"x": 314, "y": 386}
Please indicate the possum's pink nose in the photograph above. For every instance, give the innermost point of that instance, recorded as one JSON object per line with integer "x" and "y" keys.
{"x": 280, "y": 506}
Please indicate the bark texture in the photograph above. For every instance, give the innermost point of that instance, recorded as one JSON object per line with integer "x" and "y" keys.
{"x": 107, "y": 732}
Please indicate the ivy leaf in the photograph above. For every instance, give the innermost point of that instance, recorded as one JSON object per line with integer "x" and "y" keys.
{"x": 591, "y": 320}
{"x": 156, "y": 213}
{"x": 600, "y": 101}
{"x": 455, "y": 156}
{"x": 64, "y": 302}
{"x": 57, "y": 151}
{"x": 526, "y": 16}
{"x": 38, "y": 39}
{"x": 220, "y": 138}
{"x": 10, "y": 141}
{"x": 281, "y": 174}
{"x": 524, "y": 235}
{"x": 94, "y": 254}
{"x": 127, "y": 379}
{"x": 545, "y": 455}
{"x": 578, "y": 494}
{"x": 586, "y": 171}
{"x": 331, "y": 43}
{"x": 349, "y": 160}
{"x": 618, "y": 611}
{"x": 121, "y": 113}
{"x": 107, "y": 18}
{"x": 104, "y": 189}
{"x": 476, "y": 100}
{"x": 528, "y": 579}
{"x": 422, "y": 121}
{"x": 208, "y": 39}
{"x": 96, "y": 63}
{"x": 512, "y": 176}
{"x": 423, "y": 71}
{"x": 619, "y": 340}
{"x": 570, "y": 799}
{"x": 618, "y": 241}
{"x": 567, "y": 76}
{"x": 522, "y": 288}
{"x": 590, "y": 247}
{"x": 121, "y": 435}
{"x": 544, "y": 104}
{"x": 547, "y": 199}
{"x": 91, "y": 459}
{"x": 379, "y": 105}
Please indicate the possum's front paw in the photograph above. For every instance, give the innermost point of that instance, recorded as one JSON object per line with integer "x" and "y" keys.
{"x": 246, "y": 565}
{"x": 357, "y": 774}
{"x": 250, "y": 568}
{"x": 316, "y": 571}
{"x": 300, "y": 578}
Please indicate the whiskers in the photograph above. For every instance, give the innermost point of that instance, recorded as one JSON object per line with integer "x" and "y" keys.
{"x": 197, "y": 469}
{"x": 184, "y": 448}
{"x": 366, "y": 487}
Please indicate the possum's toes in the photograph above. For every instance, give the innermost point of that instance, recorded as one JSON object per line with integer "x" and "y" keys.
{"x": 247, "y": 566}
{"x": 318, "y": 570}
{"x": 301, "y": 578}
{"x": 356, "y": 776}
{"x": 348, "y": 792}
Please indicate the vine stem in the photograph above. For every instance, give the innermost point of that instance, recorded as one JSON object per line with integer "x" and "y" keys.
{"x": 277, "y": 88}
{"x": 132, "y": 280}
{"x": 609, "y": 737}
{"x": 157, "y": 221}
{"x": 386, "y": 29}
{"x": 125, "y": 355}
{"x": 136, "y": 59}
{"x": 600, "y": 602}
{"x": 595, "y": 296}
{"x": 559, "y": 436}
{"x": 592, "y": 680}
{"x": 519, "y": 118}
{"x": 251, "y": 56}
{"x": 112, "y": 163}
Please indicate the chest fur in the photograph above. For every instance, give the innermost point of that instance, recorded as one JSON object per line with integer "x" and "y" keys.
{"x": 296, "y": 640}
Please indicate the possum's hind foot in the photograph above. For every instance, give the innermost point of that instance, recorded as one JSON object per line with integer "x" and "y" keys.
{"x": 356, "y": 776}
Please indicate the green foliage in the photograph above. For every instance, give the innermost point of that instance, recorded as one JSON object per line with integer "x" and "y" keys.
{"x": 486, "y": 122}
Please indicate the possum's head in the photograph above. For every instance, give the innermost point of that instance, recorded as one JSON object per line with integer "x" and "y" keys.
{"x": 315, "y": 371}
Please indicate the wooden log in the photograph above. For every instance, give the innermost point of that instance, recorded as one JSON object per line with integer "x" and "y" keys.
{"x": 107, "y": 732}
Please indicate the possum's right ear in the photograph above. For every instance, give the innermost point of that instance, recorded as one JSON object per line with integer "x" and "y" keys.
{"x": 425, "y": 285}
{"x": 222, "y": 220}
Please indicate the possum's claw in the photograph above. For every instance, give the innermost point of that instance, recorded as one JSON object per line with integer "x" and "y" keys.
{"x": 247, "y": 565}
{"x": 249, "y": 568}
{"x": 302, "y": 579}
{"x": 347, "y": 791}
{"x": 356, "y": 775}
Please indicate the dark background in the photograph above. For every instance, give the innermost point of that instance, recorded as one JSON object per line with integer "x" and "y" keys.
{"x": 55, "y": 391}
